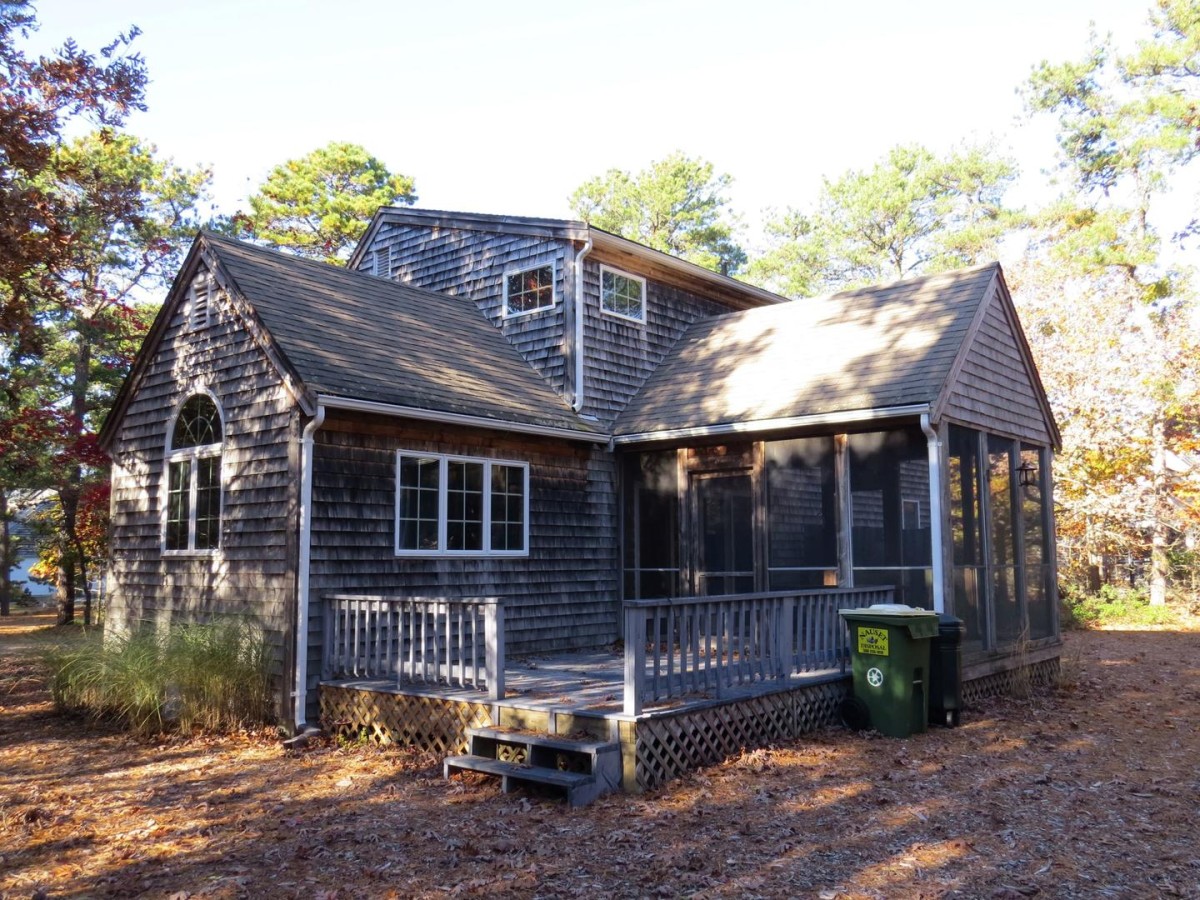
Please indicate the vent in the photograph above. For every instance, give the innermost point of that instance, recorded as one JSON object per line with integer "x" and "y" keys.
{"x": 383, "y": 262}
{"x": 200, "y": 299}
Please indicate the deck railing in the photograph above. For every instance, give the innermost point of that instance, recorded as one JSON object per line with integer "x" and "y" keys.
{"x": 417, "y": 640}
{"x": 691, "y": 645}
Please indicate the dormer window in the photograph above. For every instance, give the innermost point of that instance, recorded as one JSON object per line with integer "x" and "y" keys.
{"x": 528, "y": 290}
{"x": 622, "y": 294}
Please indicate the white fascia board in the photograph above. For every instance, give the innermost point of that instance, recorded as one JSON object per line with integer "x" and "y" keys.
{"x": 848, "y": 417}
{"x": 449, "y": 418}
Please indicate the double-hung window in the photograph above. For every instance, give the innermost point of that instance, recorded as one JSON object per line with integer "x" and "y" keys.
{"x": 192, "y": 514}
{"x": 454, "y": 505}
{"x": 528, "y": 290}
{"x": 622, "y": 294}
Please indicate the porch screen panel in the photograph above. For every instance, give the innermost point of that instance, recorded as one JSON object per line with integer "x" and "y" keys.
{"x": 890, "y": 526}
{"x": 725, "y": 521}
{"x": 1005, "y": 602}
{"x": 650, "y": 516}
{"x": 966, "y": 532}
{"x": 801, "y": 525}
{"x": 1037, "y": 570}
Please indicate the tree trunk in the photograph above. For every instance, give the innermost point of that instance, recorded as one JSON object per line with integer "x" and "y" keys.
{"x": 5, "y": 556}
{"x": 1159, "y": 564}
{"x": 66, "y": 593}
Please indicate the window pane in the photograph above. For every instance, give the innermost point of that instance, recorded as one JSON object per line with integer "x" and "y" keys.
{"x": 208, "y": 502}
{"x": 622, "y": 295}
{"x": 508, "y": 507}
{"x": 198, "y": 423}
{"x": 418, "y": 525}
{"x": 530, "y": 290}
{"x": 650, "y": 508}
{"x": 179, "y": 476}
{"x": 464, "y": 495}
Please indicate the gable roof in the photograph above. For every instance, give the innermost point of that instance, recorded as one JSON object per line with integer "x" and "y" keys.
{"x": 340, "y": 336}
{"x": 638, "y": 257}
{"x": 849, "y": 355}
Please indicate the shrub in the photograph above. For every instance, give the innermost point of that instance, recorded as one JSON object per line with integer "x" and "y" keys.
{"x": 1113, "y": 606}
{"x": 214, "y": 676}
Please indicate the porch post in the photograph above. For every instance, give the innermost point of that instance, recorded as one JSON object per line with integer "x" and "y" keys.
{"x": 493, "y": 630}
{"x": 936, "y": 511}
{"x": 635, "y": 659}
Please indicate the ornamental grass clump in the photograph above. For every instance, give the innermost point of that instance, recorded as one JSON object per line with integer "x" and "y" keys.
{"x": 214, "y": 677}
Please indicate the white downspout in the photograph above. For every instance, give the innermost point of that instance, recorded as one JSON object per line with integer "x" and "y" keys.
{"x": 306, "y": 479}
{"x": 577, "y": 402}
{"x": 935, "y": 514}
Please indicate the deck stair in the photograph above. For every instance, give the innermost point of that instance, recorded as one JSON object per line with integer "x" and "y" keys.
{"x": 582, "y": 770}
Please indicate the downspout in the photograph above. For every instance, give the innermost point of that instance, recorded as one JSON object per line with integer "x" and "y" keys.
{"x": 935, "y": 514}
{"x": 577, "y": 401}
{"x": 306, "y": 479}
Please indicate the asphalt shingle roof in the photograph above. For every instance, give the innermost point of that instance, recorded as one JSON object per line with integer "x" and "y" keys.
{"x": 870, "y": 348}
{"x": 351, "y": 335}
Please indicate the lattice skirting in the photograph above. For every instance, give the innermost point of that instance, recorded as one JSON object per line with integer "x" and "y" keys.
{"x": 1019, "y": 681}
{"x": 668, "y": 746}
{"x": 430, "y": 723}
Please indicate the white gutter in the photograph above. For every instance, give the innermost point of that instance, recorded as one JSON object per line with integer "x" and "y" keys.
{"x": 935, "y": 514}
{"x": 306, "y": 480}
{"x": 837, "y": 418}
{"x": 449, "y": 418}
{"x": 580, "y": 307}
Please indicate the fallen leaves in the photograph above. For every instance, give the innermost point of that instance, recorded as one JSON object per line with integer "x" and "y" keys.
{"x": 1086, "y": 793}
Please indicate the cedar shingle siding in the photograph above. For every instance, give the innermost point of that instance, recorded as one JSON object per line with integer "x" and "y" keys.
{"x": 254, "y": 572}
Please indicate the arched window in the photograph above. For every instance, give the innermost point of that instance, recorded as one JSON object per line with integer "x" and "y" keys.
{"x": 193, "y": 514}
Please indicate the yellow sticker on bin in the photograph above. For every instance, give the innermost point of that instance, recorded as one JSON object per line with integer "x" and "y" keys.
{"x": 873, "y": 640}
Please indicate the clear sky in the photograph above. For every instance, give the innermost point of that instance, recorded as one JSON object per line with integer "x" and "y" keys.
{"x": 505, "y": 107}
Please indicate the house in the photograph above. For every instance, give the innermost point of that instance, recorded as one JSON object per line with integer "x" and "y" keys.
{"x": 499, "y": 436}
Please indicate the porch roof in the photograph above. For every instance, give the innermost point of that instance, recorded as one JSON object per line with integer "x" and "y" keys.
{"x": 881, "y": 347}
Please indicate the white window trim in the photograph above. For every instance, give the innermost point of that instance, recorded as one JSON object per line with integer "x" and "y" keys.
{"x": 616, "y": 315}
{"x": 444, "y": 459}
{"x": 192, "y": 455}
{"x": 552, "y": 262}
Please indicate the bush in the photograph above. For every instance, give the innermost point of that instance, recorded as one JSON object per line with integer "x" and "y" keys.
{"x": 1113, "y": 606}
{"x": 214, "y": 677}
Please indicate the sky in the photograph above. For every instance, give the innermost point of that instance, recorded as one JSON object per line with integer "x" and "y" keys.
{"x": 506, "y": 107}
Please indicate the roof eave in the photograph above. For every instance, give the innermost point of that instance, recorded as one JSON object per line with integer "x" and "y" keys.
{"x": 352, "y": 404}
{"x": 782, "y": 423}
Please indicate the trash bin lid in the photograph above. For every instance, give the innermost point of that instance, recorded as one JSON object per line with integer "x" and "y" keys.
{"x": 888, "y": 609}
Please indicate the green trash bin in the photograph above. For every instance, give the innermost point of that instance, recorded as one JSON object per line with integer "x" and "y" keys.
{"x": 889, "y": 652}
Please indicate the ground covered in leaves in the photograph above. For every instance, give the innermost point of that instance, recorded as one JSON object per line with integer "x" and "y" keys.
{"x": 1092, "y": 791}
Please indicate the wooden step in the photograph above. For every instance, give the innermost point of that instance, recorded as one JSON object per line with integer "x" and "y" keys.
{"x": 582, "y": 769}
{"x": 579, "y": 789}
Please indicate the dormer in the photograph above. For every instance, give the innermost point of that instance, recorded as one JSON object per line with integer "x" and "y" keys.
{"x": 526, "y": 276}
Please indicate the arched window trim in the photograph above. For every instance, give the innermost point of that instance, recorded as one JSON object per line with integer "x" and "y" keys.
{"x": 186, "y": 464}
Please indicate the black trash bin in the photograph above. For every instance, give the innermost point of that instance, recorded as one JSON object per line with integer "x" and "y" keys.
{"x": 945, "y": 672}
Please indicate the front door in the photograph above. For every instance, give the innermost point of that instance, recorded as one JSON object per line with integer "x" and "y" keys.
{"x": 723, "y": 525}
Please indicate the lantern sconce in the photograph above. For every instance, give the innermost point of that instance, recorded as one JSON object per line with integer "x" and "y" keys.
{"x": 1027, "y": 474}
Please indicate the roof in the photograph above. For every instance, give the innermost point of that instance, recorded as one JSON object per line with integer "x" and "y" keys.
{"x": 640, "y": 258}
{"x": 881, "y": 347}
{"x": 337, "y": 333}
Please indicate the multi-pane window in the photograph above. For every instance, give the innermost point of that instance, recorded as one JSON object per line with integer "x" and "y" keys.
{"x": 452, "y": 505}
{"x": 622, "y": 295}
{"x": 192, "y": 516}
{"x": 528, "y": 290}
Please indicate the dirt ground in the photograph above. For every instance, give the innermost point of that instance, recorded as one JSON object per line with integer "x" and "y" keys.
{"x": 1092, "y": 791}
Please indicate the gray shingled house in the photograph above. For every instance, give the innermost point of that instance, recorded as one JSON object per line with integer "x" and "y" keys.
{"x": 494, "y": 439}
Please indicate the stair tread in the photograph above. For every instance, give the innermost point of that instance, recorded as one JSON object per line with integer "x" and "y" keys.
{"x": 554, "y": 741}
{"x": 540, "y": 774}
